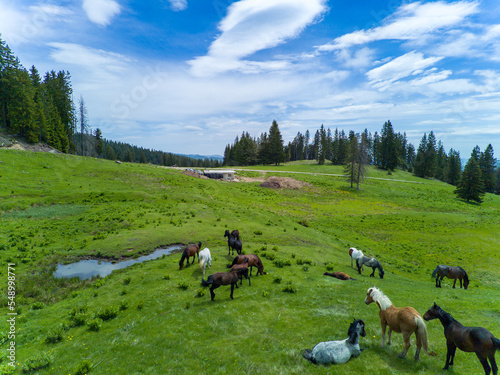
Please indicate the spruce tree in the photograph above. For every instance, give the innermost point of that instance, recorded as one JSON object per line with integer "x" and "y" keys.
{"x": 487, "y": 163}
{"x": 276, "y": 153}
{"x": 470, "y": 186}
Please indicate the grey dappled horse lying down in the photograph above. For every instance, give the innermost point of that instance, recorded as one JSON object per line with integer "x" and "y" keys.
{"x": 338, "y": 351}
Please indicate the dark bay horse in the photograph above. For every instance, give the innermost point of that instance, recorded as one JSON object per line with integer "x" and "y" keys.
{"x": 238, "y": 266}
{"x": 467, "y": 339}
{"x": 455, "y": 273}
{"x": 190, "y": 251}
{"x": 370, "y": 262}
{"x": 405, "y": 320}
{"x": 233, "y": 243}
{"x": 339, "y": 275}
{"x": 253, "y": 260}
{"x": 224, "y": 278}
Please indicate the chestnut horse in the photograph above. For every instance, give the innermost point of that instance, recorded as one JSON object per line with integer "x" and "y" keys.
{"x": 253, "y": 260}
{"x": 190, "y": 251}
{"x": 339, "y": 275}
{"x": 224, "y": 278}
{"x": 451, "y": 273}
{"x": 467, "y": 339}
{"x": 405, "y": 320}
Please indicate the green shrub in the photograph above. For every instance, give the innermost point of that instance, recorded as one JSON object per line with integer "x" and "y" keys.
{"x": 289, "y": 288}
{"x": 36, "y": 362}
{"x": 123, "y": 305}
{"x": 304, "y": 223}
{"x": 140, "y": 305}
{"x": 277, "y": 280}
{"x": 53, "y": 336}
{"x": 83, "y": 368}
{"x": 94, "y": 324}
{"x": 280, "y": 263}
{"x": 37, "y": 306}
{"x": 127, "y": 280}
{"x": 78, "y": 320}
{"x": 107, "y": 313}
{"x": 258, "y": 233}
{"x": 200, "y": 292}
{"x": 183, "y": 285}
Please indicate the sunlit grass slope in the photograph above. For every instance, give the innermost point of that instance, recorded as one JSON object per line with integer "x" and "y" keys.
{"x": 153, "y": 318}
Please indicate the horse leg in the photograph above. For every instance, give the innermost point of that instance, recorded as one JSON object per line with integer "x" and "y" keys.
{"x": 460, "y": 283}
{"x": 484, "y": 362}
{"x": 373, "y": 273}
{"x": 454, "y": 282}
{"x": 389, "y": 334}
{"x": 406, "y": 338}
{"x": 383, "y": 325}
{"x": 212, "y": 294}
{"x": 232, "y": 288}
{"x": 450, "y": 355}
{"x": 494, "y": 366}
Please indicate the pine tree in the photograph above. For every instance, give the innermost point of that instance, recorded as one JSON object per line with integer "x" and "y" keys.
{"x": 351, "y": 168}
{"x": 276, "y": 153}
{"x": 453, "y": 168}
{"x": 388, "y": 148}
{"x": 470, "y": 186}
{"x": 487, "y": 163}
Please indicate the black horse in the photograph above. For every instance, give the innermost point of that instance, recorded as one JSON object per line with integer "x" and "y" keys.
{"x": 467, "y": 339}
{"x": 233, "y": 243}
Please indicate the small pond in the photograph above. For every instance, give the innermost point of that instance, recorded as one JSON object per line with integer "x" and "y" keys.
{"x": 86, "y": 269}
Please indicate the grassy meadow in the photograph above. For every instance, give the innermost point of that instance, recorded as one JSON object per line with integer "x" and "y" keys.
{"x": 153, "y": 318}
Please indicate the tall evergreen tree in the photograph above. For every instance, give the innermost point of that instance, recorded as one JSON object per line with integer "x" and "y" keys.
{"x": 351, "y": 167}
{"x": 388, "y": 148}
{"x": 487, "y": 163}
{"x": 470, "y": 186}
{"x": 453, "y": 168}
{"x": 277, "y": 155}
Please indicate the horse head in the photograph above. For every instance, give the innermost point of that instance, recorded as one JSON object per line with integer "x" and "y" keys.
{"x": 432, "y": 313}
{"x": 357, "y": 326}
{"x": 369, "y": 299}
{"x": 226, "y": 233}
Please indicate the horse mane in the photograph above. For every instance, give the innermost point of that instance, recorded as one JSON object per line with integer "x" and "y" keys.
{"x": 380, "y": 298}
{"x": 445, "y": 315}
{"x": 466, "y": 277}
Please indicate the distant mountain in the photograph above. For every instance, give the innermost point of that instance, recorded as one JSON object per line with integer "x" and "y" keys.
{"x": 203, "y": 157}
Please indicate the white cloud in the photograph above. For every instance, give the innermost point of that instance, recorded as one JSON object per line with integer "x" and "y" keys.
{"x": 101, "y": 11}
{"x": 412, "y": 21}
{"x": 255, "y": 25}
{"x": 398, "y": 68}
{"x": 178, "y": 5}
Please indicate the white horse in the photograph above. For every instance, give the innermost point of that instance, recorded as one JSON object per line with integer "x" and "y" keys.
{"x": 338, "y": 351}
{"x": 205, "y": 258}
{"x": 355, "y": 254}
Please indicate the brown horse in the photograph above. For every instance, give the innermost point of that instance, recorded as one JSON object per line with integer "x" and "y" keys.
{"x": 236, "y": 234}
{"x": 224, "y": 278}
{"x": 253, "y": 260}
{"x": 236, "y": 267}
{"x": 405, "y": 320}
{"x": 190, "y": 251}
{"x": 467, "y": 339}
{"x": 451, "y": 273}
{"x": 339, "y": 275}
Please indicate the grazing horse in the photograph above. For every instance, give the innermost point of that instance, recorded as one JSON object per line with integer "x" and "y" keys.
{"x": 236, "y": 267}
{"x": 205, "y": 258}
{"x": 370, "y": 262}
{"x": 339, "y": 275}
{"x": 467, "y": 339}
{"x": 405, "y": 320}
{"x": 233, "y": 243}
{"x": 224, "y": 278}
{"x": 355, "y": 254}
{"x": 253, "y": 260}
{"x": 338, "y": 351}
{"x": 451, "y": 273}
{"x": 190, "y": 251}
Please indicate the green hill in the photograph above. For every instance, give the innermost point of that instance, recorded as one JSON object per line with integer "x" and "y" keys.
{"x": 153, "y": 318}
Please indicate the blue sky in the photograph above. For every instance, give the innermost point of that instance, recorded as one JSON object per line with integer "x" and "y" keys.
{"x": 188, "y": 76}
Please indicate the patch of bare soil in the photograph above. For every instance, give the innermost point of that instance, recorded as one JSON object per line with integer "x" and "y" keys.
{"x": 274, "y": 182}
{"x": 10, "y": 142}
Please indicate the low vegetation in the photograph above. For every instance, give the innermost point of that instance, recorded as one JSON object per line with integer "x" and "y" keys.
{"x": 153, "y": 318}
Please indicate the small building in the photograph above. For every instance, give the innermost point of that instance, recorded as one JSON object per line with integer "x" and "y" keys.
{"x": 217, "y": 174}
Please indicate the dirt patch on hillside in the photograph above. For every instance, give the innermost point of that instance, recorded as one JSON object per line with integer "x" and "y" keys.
{"x": 194, "y": 174}
{"x": 274, "y": 182}
{"x": 10, "y": 142}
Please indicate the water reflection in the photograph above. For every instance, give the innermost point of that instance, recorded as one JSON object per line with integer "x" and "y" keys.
{"x": 86, "y": 269}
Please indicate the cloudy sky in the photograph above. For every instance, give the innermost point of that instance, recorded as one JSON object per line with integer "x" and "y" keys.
{"x": 188, "y": 76}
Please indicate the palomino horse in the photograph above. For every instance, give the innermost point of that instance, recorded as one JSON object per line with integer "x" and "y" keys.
{"x": 405, "y": 320}
{"x": 224, "y": 278}
{"x": 205, "y": 259}
{"x": 190, "y": 251}
{"x": 338, "y": 351}
{"x": 233, "y": 243}
{"x": 370, "y": 262}
{"x": 467, "y": 339}
{"x": 339, "y": 275}
{"x": 451, "y": 273}
{"x": 253, "y": 260}
{"x": 355, "y": 254}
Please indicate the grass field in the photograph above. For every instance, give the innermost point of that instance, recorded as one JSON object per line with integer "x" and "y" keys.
{"x": 153, "y": 318}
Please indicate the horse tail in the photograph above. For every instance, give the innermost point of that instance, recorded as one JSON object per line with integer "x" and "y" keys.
{"x": 183, "y": 258}
{"x": 202, "y": 262}
{"x": 421, "y": 332}
{"x": 307, "y": 354}
{"x": 209, "y": 281}
{"x": 496, "y": 342}
{"x": 434, "y": 273}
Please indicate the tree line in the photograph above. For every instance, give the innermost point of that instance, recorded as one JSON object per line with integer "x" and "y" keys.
{"x": 42, "y": 110}
{"x": 387, "y": 150}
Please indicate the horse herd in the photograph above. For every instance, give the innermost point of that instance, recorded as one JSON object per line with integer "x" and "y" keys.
{"x": 404, "y": 320}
